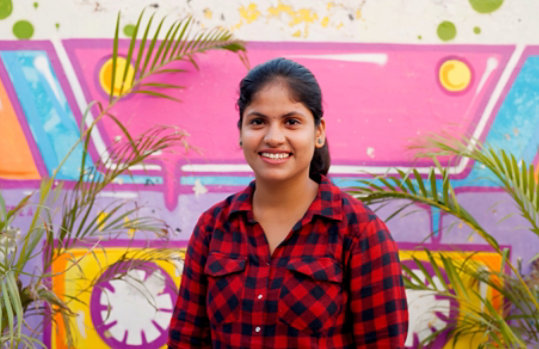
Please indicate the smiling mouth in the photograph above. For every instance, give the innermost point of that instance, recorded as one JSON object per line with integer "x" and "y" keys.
{"x": 275, "y": 156}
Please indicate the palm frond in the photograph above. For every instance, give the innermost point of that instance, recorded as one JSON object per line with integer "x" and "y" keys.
{"x": 181, "y": 42}
{"x": 403, "y": 188}
{"x": 516, "y": 177}
{"x": 478, "y": 313}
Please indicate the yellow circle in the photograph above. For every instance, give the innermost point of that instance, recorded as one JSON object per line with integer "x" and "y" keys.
{"x": 455, "y": 75}
{"x": 105, "y": 76}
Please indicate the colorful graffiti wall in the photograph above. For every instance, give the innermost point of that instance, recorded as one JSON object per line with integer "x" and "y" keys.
{"x": 387, "y": 78}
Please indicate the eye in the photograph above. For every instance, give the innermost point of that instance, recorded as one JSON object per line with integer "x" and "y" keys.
{"x": 292, "y": 121}
{"x": 256, "y": 121}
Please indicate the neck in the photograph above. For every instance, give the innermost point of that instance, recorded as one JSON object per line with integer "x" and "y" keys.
{"x": 284, "y": 195}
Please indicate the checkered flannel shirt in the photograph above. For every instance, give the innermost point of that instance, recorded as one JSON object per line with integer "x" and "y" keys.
{"x": 334, "y": 282}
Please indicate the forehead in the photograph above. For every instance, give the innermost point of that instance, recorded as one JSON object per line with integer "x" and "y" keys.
{"x": 275, "y": 94}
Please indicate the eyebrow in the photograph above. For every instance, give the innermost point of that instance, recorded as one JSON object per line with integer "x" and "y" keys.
{"x": 292, "y": 113}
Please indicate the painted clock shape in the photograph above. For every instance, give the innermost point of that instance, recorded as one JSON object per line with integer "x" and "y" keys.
{"x": 428, "y": 312}
{"x": 133, "y": 311}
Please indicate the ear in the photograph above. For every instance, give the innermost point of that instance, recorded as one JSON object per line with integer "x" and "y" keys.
{"x": 320, "y": 134}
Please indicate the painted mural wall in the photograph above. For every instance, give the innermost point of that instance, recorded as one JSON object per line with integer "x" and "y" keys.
{"x": 390, "y": 71}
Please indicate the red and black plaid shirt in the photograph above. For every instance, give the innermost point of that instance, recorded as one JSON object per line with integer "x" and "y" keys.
{"x": 334, "y": 282}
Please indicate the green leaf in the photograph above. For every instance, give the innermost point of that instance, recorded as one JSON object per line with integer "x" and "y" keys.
{"x": 418, "y": 282}
{"x": 20, "y": 205}
{"x": 15, "y": 300}
{"x": 445, "y": 187}
{"x": 125, "y": 132}
{"x": 532, "y": 184}
{"x": 150, "y": 52}
{"x": 406, "y": 179}
{"x": 157, "y": 94}
{"x": 180, "y": 40}
{"x": 453, "y": 276}
{"x": 33, "y": 238}
{"x": 137, "y": 73}
{"x": 157, "y": 57}
{"x": 508, "y": 169}
{"x": 170, "y": 41}
{"x": 170, "y": 70}
{"x": 399, "y": 210}
{"x": 420, "y": 183}
{"x": 7, "y": 306}
{"x": 132, "y": 44}
{"x": 425, "y": 273}
{"x": 161, "y": 85}
{"x": 3, "y": 210}
{"x": 398, "y": 183}
{"x": 524, "y": 178}
{"x": 515, "y": 170}
{"x": 114, "y": 58}
{"x": 432, "y": 178}
{"x": 437, "y": 270}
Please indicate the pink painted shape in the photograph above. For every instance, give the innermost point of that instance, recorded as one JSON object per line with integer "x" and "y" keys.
{"x": 367, "y": 105}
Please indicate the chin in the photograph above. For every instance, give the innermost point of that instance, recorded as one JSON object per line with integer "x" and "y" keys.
{"x": 275, "y": 177}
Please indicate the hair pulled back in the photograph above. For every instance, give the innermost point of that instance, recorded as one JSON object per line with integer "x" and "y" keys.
{"x": 303, "y": 88}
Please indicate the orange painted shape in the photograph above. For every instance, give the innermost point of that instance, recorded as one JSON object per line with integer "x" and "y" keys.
{"x": 16, "y": 160}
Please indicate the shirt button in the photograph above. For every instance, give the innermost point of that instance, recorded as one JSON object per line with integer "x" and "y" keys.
{"x": 260, "y": 296}
{"x": 257, "y": 329}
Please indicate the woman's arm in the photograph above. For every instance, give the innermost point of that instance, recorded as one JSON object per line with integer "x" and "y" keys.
{"x": 377, "y": 297}
{"x": 189, "y": 326}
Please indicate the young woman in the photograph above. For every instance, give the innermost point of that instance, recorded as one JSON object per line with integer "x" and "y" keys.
{"x": 291, "y": 261}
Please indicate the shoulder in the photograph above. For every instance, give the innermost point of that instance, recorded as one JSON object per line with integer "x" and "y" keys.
{"x": 357, "y": 218}
{"x": 220, "y": 212}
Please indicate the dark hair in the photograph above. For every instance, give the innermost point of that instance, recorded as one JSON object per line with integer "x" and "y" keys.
{"x": 302, "y": 86}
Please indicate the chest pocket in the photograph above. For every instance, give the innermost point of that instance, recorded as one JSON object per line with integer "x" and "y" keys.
{"x": 311, "y": 297}
{"x": 226, "y": 280}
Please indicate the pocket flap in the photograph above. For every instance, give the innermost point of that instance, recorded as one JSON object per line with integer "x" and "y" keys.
{"x": 324, "y": 268}
{"x": 220, "y": 264}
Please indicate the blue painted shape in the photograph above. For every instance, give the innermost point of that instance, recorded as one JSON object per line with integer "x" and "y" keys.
{"x": 516, "y": 126}
{"x": 435, "y": 221}
{"x": 47, "y": 112}
{"x": 147, "y": 180}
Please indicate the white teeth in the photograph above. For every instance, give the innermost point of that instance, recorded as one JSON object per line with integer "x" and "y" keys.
{"x": 276, "y": 156}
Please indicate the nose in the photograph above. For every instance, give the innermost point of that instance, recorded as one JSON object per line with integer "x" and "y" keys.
{"x": 274, "y": 135}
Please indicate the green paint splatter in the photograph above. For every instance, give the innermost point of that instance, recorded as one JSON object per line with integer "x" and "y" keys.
{"x": 57, "y": 25}
{"x": 129, "y": 29}
{"x": 6, "y": 7}
{"x": 446, "y": 31}
{"x": 419, "y": 37}
{"x": 23, "y": 29}
{"x": 36, "y": 5}
{"x": 486, "y": 6}
{"x": 477, "y": 30}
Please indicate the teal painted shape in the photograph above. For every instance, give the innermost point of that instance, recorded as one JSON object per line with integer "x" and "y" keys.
{"x": 47, "y": 112}
{"x": 516, "y": 126}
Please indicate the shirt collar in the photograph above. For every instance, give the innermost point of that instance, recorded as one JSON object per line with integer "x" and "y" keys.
{"x": 327, "y": 203}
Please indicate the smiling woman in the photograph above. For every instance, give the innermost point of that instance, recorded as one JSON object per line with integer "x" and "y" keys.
{"x": 291, "y": 261}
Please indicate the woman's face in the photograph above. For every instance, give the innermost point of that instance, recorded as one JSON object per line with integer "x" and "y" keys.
{"x": 279, "y": 135}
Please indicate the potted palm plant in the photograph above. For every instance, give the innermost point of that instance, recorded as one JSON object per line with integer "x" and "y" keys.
{"x": 65, "y": 215}
{"x": 507, "y": 316}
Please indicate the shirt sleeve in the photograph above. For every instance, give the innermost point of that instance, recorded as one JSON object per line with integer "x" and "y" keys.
{"x": 377, "y": 295}
{"x": 189, "y": 326}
